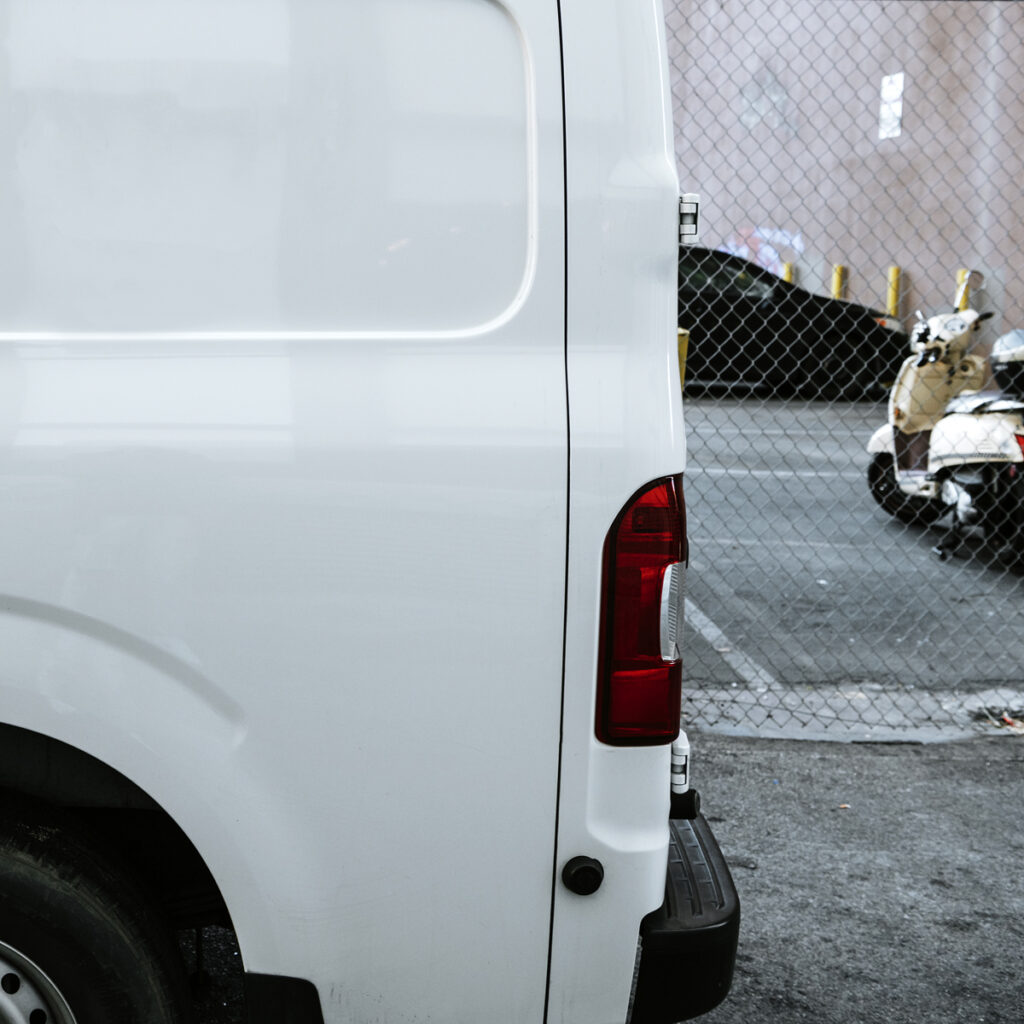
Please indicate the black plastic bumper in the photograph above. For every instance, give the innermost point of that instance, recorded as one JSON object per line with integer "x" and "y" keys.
{"x": 688, "y": 945}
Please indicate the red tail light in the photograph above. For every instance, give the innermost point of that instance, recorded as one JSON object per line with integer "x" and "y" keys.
{"x": 639, "y": 668}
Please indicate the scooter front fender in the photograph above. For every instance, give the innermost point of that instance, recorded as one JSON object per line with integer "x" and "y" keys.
{"x": 881, "y": 441}
{"x": 962, "y": 438}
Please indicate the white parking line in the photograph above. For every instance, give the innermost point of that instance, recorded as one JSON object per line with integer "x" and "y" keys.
{"x": 837, "y": 713}
{"x": 746, "y": 668}
{"x": 747, "y": 542}
{"x": 809, "y": 474}
{"x": 709, "y": 430}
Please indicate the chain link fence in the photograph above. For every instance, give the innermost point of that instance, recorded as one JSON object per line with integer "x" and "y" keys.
{"x": 856, "y": 160}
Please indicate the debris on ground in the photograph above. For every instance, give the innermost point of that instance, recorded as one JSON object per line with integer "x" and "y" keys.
{"x": 1001, "y": 718}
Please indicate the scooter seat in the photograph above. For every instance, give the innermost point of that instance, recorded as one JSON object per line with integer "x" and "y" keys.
{"x": 983, "y": 401}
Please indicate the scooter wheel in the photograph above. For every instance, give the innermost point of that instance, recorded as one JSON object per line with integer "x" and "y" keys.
{"x": 904, "y": 507}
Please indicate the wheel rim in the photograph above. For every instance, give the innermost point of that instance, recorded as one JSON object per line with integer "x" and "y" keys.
{"x": 27, "y": 995}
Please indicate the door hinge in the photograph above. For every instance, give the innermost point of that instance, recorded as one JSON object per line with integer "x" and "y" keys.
{"x": 689, "y": 218}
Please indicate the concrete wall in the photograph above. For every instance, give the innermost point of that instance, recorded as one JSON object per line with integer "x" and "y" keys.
{"x": 777, "y": 126}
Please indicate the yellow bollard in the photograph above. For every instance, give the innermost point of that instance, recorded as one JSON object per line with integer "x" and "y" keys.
{"x": 839, "y": 277}
{"x": 787, "y": 272}
{"x": 892, "y": 302}
{"x": 683, "y": 343}
{"x": 965, "y": 295}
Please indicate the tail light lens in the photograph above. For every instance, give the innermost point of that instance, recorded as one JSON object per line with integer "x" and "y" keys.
{"x": 639, "y": 666}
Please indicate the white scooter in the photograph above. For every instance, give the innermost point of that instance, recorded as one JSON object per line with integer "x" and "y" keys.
{"x": 948, "y": 446}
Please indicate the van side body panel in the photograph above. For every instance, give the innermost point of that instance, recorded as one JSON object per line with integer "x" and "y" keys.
{"x": 283, "y": 463}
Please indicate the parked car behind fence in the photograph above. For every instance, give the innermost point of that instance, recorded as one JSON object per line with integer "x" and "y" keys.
{"x": 751, "y": 329}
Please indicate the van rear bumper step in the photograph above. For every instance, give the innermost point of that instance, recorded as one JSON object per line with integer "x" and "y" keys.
{"x": 688, "y": 945}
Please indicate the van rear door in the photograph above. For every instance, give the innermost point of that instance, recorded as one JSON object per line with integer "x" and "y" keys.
{"x": 626, "y": 432}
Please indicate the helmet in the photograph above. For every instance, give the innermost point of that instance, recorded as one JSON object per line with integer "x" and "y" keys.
{"x": 1007, "y": 361}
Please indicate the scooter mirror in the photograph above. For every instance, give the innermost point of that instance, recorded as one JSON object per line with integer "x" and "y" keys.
{"x": 972, "y": 281}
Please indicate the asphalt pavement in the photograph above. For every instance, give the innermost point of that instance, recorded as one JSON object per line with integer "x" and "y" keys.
{"x": 813, "y": 613}
{"x": 878, "y": 883}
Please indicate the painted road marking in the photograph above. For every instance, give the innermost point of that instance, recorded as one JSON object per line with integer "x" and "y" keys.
{"x": 746, "y": 542}
{"x": 710, "y": 430}
{"x": 746, "y": 668}
{"x": 852, "y": 713}
{"x": 809, "y": 474}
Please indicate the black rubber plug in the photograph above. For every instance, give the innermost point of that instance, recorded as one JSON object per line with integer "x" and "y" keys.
{"x": 583, "y": 875}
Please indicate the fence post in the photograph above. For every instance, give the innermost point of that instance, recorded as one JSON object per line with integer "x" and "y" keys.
{"x": 683, "y": 343}
{"x": 892, "y": 301}
{"x": 839, "y": 277}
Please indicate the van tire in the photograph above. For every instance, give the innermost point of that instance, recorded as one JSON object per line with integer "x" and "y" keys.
{"x": 79, "y": 941}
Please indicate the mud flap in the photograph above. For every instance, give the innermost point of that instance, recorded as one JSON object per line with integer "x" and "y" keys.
{"x": 688, "y": 945}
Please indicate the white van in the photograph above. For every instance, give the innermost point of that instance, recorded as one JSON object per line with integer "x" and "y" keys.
{"x": 340, "y": 494}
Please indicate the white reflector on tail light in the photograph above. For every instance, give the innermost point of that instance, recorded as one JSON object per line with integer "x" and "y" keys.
{"x": 639, "y": 665}
{"x": 673, "y": 590}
